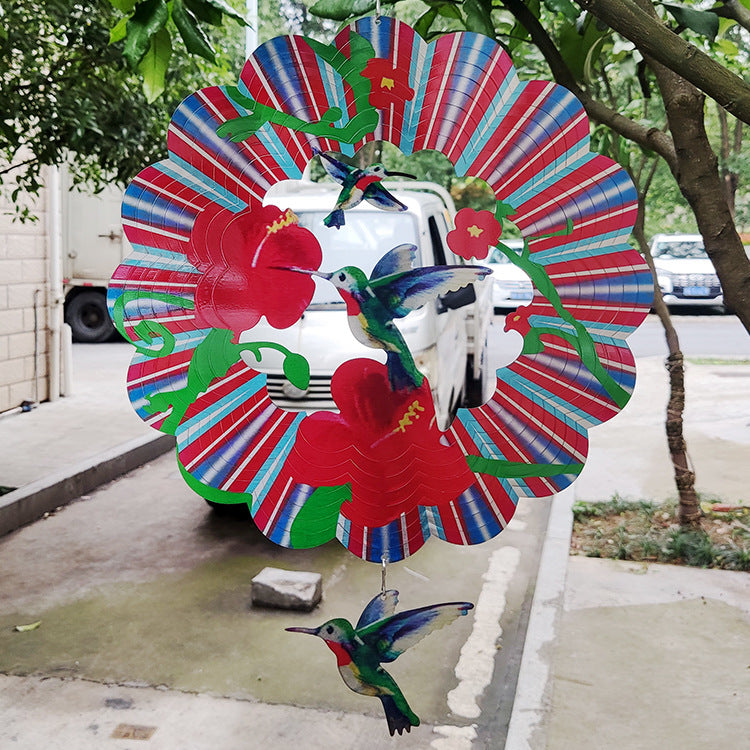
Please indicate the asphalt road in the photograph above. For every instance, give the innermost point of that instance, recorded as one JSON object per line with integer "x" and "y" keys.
{"x": 702, "y": 333}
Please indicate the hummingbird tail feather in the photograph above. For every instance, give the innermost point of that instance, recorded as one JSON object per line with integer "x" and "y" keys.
{"x": 335, "y": 218}
{"x": 398, "y": 719}
{"x": 399, "y": 376}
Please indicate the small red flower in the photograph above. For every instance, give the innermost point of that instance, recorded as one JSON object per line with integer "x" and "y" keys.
{"x": 385, "y": 443}
{"x": 388, "y": 85}
{"x": 519, "y": 320}
{"x": 243, "y": 257}
{"x": 475, "y": 233}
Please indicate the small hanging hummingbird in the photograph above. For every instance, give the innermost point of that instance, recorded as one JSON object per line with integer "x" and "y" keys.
{"x": 358, "y": 184}
{"x": 381, "y": 636}
{"x": 394, "y": 289}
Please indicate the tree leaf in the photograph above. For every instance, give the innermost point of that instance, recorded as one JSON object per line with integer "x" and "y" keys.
{"x": 150, "y": 16}
{"x": 205, "y": 12}
{"x": 479, "y": 17}
{"x": 227, "y": 10}
{"x": 27, "y": 628}
{"x": 126, "y": 6}
{"x": 422, "y": 26}
{"x": 565, "y": 7}
{"x": 154, "y": 65}
{"x": 701, "y": 21}
{"x": 192, "y": 34}
{"x": 118, "y": 31}
{"x": 340, "y": 10}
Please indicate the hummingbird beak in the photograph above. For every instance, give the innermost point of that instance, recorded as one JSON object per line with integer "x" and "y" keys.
{"x": 400, "y": 174}
{"x": 309, "y": 631}
{"x": 305, "y": 271}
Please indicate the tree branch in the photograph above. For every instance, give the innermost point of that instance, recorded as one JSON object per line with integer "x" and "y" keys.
{"x": 652, "y": 37}
{"x": 652, "y": 139}
{"x": 734, "y": 10}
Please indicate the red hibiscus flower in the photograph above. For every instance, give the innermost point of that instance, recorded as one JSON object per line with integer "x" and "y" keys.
{"x": 475, "y": 233}
{"x": 388, "y": 85}
{"x": 519, "y": 320}
{"x": 385, "y": 443}
{"x": 243, "y": 257}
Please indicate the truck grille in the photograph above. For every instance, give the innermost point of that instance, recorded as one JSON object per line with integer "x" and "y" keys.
{"x": 317, "y": 396}
{"x": 689, "y": 284}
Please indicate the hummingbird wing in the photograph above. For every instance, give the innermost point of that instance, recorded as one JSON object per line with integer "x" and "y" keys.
{"x": 382, "y": 605}
{"x": 391, "y": 636}
{"x": 398, "y": 260}
{"x": 336, "y": 170}
{"x": 412, "y": 289}
{"x": 378, "y": 196}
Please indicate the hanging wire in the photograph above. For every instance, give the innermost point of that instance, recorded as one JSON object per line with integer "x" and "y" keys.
{"x": 377, "y": 11}
{"x": 384, "y": 560}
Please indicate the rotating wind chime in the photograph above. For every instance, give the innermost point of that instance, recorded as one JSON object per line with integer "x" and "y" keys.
{"x": 211, "y": 261}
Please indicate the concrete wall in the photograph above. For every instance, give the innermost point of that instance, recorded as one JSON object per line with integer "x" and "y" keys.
{"x": 24, "y": 273}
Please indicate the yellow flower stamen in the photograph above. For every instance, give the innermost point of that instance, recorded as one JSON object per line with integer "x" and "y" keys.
{"x": 474, "y": 230}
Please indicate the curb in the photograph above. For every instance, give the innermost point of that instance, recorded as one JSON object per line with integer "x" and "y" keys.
{"x": 529, "y": 717}
{"x": 31, "y": 502}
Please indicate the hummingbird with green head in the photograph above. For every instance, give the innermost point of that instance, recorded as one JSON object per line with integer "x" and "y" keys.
{"x": 394, "y": 289}
{"x": 380, "y": 636}
{"x": 358, "y": 185}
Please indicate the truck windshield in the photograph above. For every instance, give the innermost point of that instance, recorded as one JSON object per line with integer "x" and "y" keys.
{"x": 680, "y": 249}
{"x": 365, "y": 238}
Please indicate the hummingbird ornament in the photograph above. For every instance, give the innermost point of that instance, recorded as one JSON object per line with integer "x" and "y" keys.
{"x": 358, "y": 184}
{"x": 395, "y": 288}
{"x": 380, "y": 636}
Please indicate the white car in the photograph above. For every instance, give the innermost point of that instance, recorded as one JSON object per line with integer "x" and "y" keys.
{"x": 684, "y": 271}
{"x": 511, "y": 287}
{"x": 447, "y": 338}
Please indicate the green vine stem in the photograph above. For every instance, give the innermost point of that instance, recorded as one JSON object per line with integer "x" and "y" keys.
{"x": 581, "y": 340}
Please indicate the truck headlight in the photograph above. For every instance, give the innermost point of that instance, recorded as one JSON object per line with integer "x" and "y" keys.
{"x": 665, "y": 282}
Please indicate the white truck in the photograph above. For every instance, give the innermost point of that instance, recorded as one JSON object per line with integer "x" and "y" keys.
{"x": 93, "y": 246}
{"x": 447, "y": 338}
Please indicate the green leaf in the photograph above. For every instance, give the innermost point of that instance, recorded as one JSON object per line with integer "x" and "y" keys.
{"x": 205, "y": 12}
{"x": 154, "y": 65}
{"x": 27, "y": 628}
{"x": 701, "y": 21}
{"x": 423, "y": 23}
{"x": 479, "y": 18}
{"x": 126, "y": 6}
{"x": 227, "y": 10}
{"x": 317, "y": 519}
{"x": 297, "y": 370}
{"x": 340, "y": 10}
{"x": 566, "y": 7}
{"x": 195, "y": 39}
{"x": 118, "y": 31}
{"x": 149, "y": 17}
{"x": 448, "y": 10}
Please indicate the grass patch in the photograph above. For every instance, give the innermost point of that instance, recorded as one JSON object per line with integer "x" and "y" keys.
{"x": 646, "y": 531}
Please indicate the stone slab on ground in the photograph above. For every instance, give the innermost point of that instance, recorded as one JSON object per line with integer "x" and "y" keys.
{"x": 287, "y": 589}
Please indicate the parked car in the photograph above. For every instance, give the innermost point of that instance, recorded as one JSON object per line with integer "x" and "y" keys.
{"x": 511, "y": 287}
{"x": 684, "y": 271}
{"x": 447, "y": 338}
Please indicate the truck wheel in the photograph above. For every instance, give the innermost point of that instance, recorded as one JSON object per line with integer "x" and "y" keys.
{"x": 473, "y": 393}
{"x": 87, "y": 315}
{"x": 229, "y": 510}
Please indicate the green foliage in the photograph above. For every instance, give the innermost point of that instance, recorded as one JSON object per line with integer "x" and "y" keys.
{"x": 148, "y": 28}
{"x": 646, "y": 531}
{"x": 68, "y": 98}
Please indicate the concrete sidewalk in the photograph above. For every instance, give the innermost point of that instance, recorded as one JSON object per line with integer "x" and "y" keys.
{"x": 617, "y": 655}
{"x": 61, "y": 450}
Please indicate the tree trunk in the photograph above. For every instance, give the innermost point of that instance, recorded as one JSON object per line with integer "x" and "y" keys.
{"x": 688, "y": 510}
{"x": 697, "y": 174}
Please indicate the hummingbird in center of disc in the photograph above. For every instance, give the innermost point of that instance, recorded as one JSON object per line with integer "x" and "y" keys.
{"x": 358, "y": 185}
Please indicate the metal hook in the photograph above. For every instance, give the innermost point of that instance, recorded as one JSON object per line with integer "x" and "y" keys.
{"x": 384, "y": 561}
{"x": 377, "y": 11}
